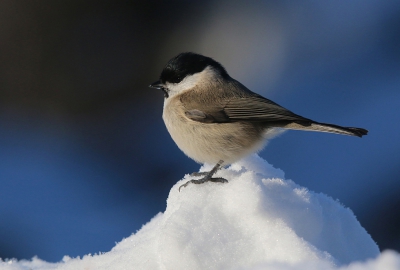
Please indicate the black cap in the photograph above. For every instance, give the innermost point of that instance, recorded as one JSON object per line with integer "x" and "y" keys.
{"x": 188, "y": 63}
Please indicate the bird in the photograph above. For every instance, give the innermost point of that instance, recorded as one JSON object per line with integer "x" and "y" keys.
{"x": 215, "y": 119}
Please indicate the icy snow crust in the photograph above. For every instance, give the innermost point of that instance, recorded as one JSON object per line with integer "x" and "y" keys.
{"x": 256, "y": 221}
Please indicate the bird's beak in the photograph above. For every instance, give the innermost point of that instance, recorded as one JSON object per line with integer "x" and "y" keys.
{"x": 159, "y": 85}
{"x": 156, "y": 85}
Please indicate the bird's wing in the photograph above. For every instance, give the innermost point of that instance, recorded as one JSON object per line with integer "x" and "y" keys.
{"x": 237, "y": 103}
{"x": 207, "y": 115}
{"x": 240, "y": 108}
{"x": 258, "y": 108}
{"x": 232, "y": 101}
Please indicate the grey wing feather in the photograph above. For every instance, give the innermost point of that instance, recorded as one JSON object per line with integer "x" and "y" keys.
{"x": 234, "y": 102}
{"x": 258, "y": 108}
{"x": 253, "y": 108}
{"x": 196, "y": 115}
{"x": 207, "y": 116}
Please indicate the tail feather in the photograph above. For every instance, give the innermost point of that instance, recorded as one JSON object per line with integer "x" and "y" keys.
{"x": 352, "y": 131}
{"x": 323, "y": 127}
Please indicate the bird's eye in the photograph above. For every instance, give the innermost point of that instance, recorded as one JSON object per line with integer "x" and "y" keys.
{"x": 177, "y": 79}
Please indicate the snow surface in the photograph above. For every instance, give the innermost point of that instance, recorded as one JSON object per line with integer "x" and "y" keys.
{"x": 256, "y": 221}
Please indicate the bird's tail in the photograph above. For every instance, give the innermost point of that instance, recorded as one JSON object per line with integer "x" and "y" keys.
{"x": 322, "y": 127}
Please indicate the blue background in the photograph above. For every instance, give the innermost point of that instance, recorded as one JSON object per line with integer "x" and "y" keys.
{"x": 85, "y": 158}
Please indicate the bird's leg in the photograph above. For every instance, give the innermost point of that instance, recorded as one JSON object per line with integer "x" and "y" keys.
{"x": 199, "y": 173}
{"x": 207, "y": 176}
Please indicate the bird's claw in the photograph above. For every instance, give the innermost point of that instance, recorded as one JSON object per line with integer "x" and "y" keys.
{"x": 199, "y": 173}
{"x": 207, "y": 176}
{"x": 203, "y": 180}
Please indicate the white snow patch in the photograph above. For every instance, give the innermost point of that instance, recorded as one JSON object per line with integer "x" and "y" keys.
{"x": 256, "y": 221}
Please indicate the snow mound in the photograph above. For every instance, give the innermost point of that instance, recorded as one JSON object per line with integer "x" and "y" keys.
{"x": 256, "y": 221}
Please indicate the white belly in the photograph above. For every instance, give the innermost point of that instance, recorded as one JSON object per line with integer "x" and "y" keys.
{"x": 210, "y": 142}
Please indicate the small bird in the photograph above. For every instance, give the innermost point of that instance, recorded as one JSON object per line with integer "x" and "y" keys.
{"x": 215, "y": 119}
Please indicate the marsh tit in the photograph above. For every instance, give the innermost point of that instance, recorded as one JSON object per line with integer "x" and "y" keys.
{"x": 215, "y": 119}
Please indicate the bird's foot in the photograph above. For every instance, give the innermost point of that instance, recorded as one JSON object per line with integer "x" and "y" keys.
{"x": 204, "y": 180}
{"x": 199, "y": 173}
{"x": 207, "y": 176}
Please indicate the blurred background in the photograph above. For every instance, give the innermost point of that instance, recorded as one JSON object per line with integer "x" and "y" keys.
{"x": 85, "y": 158}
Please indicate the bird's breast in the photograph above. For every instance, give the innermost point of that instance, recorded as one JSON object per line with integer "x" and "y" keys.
{"x": 210, "y": 142}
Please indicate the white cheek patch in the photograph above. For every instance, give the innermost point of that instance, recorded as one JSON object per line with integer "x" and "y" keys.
{"x": 189, "y": 81}
{"x": 186, "y": 84}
